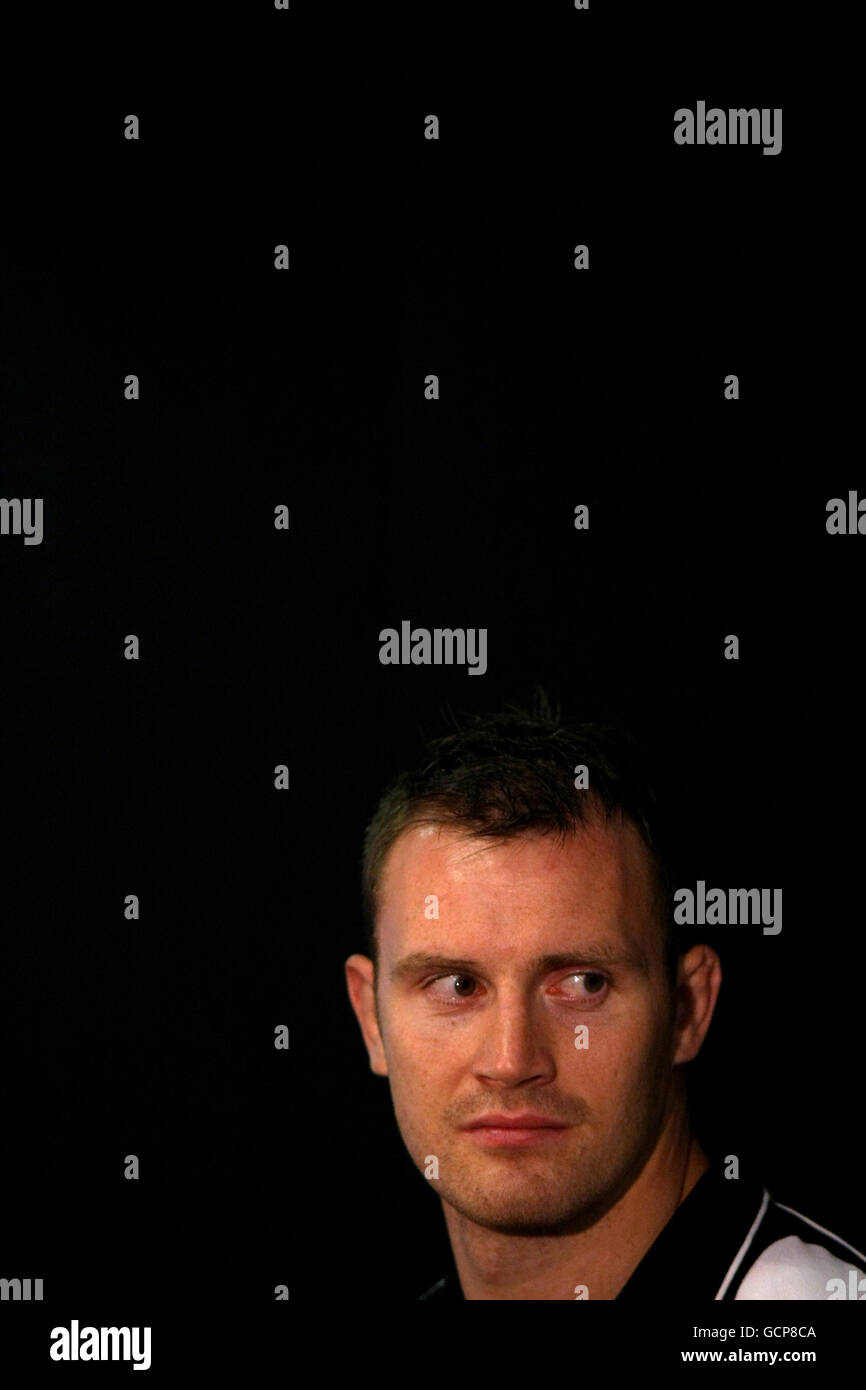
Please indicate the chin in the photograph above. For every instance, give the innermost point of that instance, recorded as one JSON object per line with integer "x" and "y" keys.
{"x": 520, "y": 1215}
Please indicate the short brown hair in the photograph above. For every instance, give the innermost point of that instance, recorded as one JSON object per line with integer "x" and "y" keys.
{"x": 502, "y": 775}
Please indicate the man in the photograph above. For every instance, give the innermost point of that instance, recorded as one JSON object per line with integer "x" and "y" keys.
{"x": 525, "y": 997}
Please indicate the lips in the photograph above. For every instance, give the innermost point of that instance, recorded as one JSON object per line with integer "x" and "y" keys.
{"x": 514, "y": 1131}
{"x": 528, "y": 1121}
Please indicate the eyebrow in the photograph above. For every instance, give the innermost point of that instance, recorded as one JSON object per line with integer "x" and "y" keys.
{"x": 593, "y": 953}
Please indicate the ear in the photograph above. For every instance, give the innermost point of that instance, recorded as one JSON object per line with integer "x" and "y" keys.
{"x": 360, "y": 982}
{"x": 699, "y": 979}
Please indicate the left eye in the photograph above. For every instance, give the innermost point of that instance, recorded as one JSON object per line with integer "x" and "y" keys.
{"x": 593, "y": 983}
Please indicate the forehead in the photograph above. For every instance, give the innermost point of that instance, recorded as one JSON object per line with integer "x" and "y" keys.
{"x": 531, "y": 892}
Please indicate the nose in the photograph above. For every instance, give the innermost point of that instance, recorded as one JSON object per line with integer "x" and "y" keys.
{"x": 514, "y": 1048}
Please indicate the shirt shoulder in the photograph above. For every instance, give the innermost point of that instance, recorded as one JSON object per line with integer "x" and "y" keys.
{"x": 789, "y": 1256}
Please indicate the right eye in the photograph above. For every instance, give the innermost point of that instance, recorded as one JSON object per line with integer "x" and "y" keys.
{"x": 451, "y": 989}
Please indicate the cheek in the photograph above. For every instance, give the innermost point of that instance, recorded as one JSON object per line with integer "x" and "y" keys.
{"x": 422, "y": 1085}
{"x": 424, "y": 1043}
{"x": 420, "y": 1060}
{"x": 620, "y": 1055}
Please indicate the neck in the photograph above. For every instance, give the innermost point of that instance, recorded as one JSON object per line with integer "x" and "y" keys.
{"x": 496, "y": 1265}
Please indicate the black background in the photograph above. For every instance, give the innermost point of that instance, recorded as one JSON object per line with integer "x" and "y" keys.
{"x": 259, "y": 647}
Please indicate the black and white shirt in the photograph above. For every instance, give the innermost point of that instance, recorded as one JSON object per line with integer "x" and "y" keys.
{"x": 730, "y": 1240}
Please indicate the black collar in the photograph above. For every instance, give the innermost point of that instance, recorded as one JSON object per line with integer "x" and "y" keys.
{"x": 700, "y": 1242}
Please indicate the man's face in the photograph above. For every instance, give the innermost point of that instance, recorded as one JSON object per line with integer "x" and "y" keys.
{"x": 477, "y": 1012}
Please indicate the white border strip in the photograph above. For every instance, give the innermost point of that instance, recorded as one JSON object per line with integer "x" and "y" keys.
{"x": 738, "y": 1259}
